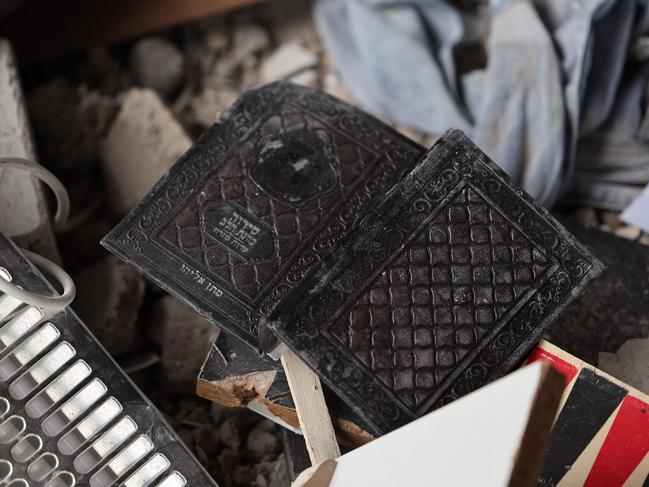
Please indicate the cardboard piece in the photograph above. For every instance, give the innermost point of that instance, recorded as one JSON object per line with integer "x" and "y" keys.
{"x": 502, "y": 445}
{"x": 601, "y": 433}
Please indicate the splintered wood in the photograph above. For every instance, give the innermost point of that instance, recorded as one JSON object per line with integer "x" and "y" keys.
{"x": 311, "y": 409}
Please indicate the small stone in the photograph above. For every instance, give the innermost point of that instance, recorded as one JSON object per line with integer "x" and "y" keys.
{"x": 306, "y": 78}
{"x": 279, "y": 477}
{"x": 229, "y": 434}
{"x": 261, "y": 442}
{"x": 628, "y": 231}
{"x": 612, "y": 220}
{"x": 210, "y": 103}
{"x": 630, "y": 363}
{"x": 109, "y": 297}
{"x": 586, "y": 217}
{"x": 158, "y": 64}
{"x": 185, "y": 338}
{"x": 97, "y": 112}
{"x": 288, "y": 60}
{"x": 333, "y": 85}
{"x": 222, "y": 71}
{"x": 292, "y": 21}
{"x": 216, "y": 40}
{"x": 142, "y": 144}
{"x": 249, "y": 39}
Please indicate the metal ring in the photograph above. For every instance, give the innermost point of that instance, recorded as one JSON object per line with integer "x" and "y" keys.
{"x": 62, "y": 198}
{"x": 52, "y": 304}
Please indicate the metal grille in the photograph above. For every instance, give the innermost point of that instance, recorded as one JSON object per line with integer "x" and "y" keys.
{"x": 68, "y": 415}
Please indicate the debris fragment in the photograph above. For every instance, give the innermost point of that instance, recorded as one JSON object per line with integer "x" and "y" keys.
{"x": 144, "y": 141}
{"x": 55, "y": 112}
{"x": 109, "y": 296}
{"x": 288, "y": 60}
{"x": 158, "y": 64}
{"x": 630, "y": 363}
{"x": 185, "y": 338}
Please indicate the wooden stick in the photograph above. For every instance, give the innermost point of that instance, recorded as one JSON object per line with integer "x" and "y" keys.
{"x": 312, "y": 411}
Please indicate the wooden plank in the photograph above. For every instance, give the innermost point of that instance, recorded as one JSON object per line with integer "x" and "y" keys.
{"x": 24, "y": 214}
{"x": 235, "y": 375}
{"x": 45, "y": 30}
{"x": 311, "y": 409}
{"x": 495, "y": 436}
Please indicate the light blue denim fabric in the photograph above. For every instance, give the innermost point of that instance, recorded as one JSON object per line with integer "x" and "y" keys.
{"x": 557, "y": 70}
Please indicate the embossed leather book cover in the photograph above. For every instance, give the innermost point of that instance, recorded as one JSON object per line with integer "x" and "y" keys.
{"x": 445, "y": 285}
{"x": 258, "y": 200}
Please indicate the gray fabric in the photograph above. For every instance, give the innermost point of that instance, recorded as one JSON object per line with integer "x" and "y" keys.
{"x": 557, "y": 70}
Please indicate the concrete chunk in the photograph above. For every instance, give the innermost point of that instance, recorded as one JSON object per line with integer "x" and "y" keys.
{"x": 185, "y": 338}
{"x": 288, "y": 60}
{"x": 23, "y": 211}
{"x": 143, "y": 143}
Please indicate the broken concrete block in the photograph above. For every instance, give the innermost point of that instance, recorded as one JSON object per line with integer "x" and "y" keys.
{"x": 234, "y": 375}
{"x": 142, "y": 144}
{"x": 289, "y": 59}
{"x": 109, "y": 297}
{"x": 630, "y": 363}
{"x": 185, "y": 338}
{"x": 210, "y": 103}
{"x": 24, "y": 216}
{"x": 158, "y": 64}
{"x": 306, "y": 78}
{"x": 615, "y": 307}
